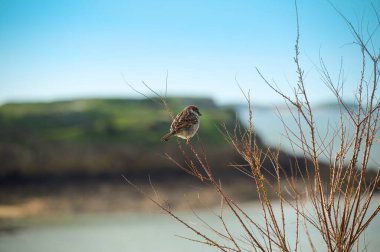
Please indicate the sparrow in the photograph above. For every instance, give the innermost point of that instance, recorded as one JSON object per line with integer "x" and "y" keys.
{"x": 185, "y": 124}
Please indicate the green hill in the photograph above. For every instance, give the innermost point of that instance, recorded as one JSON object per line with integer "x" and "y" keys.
{"x": 96, "y": 137}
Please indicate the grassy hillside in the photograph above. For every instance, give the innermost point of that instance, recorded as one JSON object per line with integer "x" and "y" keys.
{"x": 93, "y": 137}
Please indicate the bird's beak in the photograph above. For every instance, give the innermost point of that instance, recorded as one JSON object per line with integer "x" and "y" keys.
{"x": 199, "y": 113}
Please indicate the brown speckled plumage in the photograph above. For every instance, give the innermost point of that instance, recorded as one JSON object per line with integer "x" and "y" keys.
{"x": 185, "y": 124}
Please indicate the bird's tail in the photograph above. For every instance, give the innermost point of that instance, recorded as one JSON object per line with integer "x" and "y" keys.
{"x": 167, "y": 136}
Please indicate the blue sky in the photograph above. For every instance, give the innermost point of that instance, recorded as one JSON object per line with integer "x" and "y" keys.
{"x": 68, "y": 49}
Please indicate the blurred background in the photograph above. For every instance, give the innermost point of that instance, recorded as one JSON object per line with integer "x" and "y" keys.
{"x": 70, "y": 126}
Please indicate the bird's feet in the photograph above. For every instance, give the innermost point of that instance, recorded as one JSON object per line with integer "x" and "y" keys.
{"x": 188, "y": 141}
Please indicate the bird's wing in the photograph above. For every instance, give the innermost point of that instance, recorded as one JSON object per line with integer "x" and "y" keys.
{"x": 183, "y": 120}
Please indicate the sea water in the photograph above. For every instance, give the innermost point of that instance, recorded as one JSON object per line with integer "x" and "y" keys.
{"x": 269, "y": 124}
{"x": 147, "y": 232}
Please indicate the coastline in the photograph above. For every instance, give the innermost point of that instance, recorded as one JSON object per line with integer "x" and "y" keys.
{"x": 113, "y": 196}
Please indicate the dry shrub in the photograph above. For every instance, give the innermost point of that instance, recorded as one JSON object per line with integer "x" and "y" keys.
{"x": 334, "y": 202}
